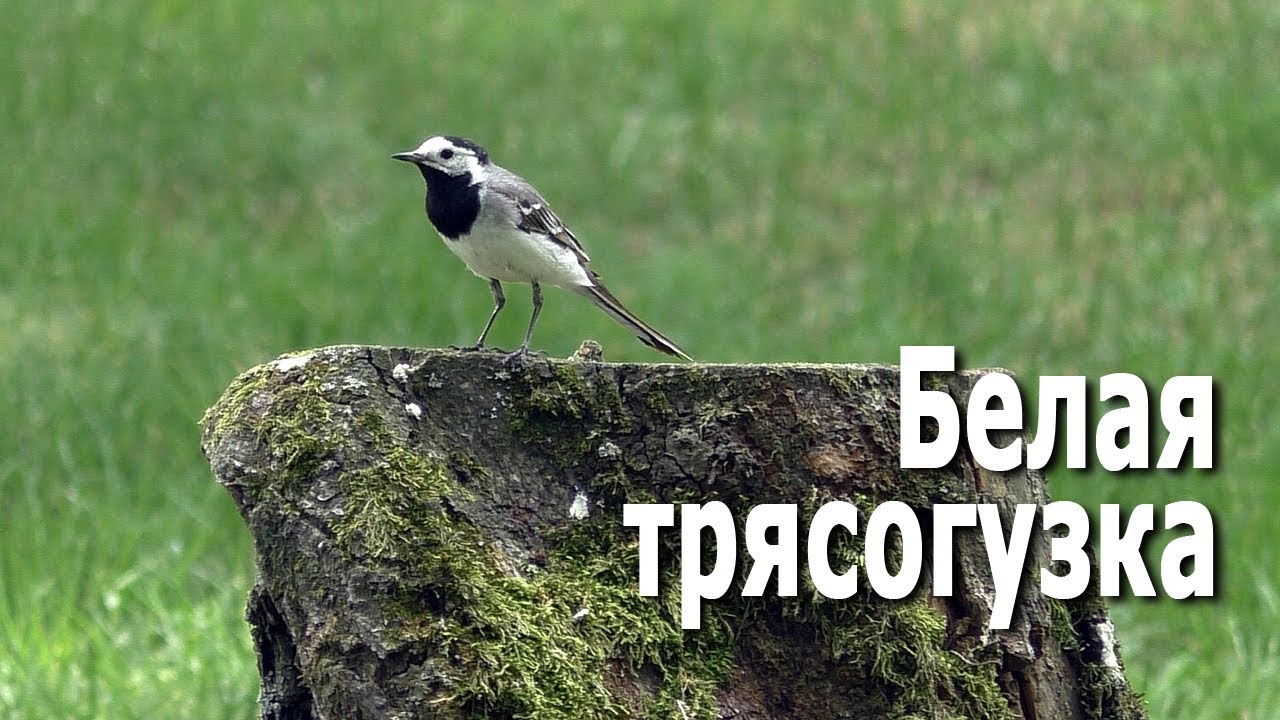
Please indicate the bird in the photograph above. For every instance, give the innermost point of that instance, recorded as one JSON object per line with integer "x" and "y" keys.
{"x": 504, "y": 231}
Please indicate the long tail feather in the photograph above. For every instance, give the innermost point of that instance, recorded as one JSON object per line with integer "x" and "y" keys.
{"x": 600, "y": 296}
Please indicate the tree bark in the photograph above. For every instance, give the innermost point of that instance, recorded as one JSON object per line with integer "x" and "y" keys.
{"x": 439, "y": 534}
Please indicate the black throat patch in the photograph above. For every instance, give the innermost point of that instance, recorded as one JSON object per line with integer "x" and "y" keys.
{"x": 453, "y": 203}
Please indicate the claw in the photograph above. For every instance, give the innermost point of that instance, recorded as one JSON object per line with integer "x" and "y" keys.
{"x": 521, "y": 354}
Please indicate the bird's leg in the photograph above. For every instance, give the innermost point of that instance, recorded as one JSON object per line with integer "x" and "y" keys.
{"x": 533, "y": 319}
{"x": 498, "y": 301}
{"x": 523, "y": 350}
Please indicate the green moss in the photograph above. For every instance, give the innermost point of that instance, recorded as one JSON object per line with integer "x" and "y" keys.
{"x": 547, "y": 645}
{"x": 840, "y": 381}
{"x": 1101, "y": 696}
{"x": 390, "y": 502}
{"x": 643, "y": 632}
{"x": 656, "y": 404}
{"x": 901, "y": 646}
{"x": 287, "y": 414}
{"x": 231, "y": 407}
{"x": 899, "y": 649}
{"x": 394, "y": 506}
{"x": 553, "y": 412}
{"x": 515, "y": 647}
{"x": 1104, "y": 699}
{"x": 1064, "y": 632}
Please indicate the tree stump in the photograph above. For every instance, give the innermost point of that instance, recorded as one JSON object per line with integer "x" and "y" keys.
{"x": 439, "y": 535}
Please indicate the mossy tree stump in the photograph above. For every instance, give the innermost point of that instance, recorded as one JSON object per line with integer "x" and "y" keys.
{"x": 439, "y": 535}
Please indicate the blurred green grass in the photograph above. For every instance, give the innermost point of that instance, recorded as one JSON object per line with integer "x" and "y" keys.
{"x": 1057, "y": 188}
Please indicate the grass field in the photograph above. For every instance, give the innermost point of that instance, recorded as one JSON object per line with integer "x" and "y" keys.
{"x": 190, "y": 189}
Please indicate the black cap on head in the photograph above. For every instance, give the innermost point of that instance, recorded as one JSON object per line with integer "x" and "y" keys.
{"x": 481, "y": 154}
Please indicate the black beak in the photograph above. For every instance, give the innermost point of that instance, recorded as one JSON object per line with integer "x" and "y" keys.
{"x": 409, "y": 157}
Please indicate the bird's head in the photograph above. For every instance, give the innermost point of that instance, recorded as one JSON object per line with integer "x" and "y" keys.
{"x": 450, "y": 155}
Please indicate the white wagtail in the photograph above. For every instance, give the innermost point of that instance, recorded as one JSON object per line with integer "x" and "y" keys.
{"x": 504, "y": 231}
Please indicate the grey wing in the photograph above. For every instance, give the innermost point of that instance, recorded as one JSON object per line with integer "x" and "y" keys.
{"x": 536, "y": 216}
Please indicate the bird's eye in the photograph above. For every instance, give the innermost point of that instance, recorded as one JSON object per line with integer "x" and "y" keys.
{"x": 446, "y": 153}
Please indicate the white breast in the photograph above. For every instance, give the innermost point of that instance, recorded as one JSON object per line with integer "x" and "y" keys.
{"x": 495, "y": 248}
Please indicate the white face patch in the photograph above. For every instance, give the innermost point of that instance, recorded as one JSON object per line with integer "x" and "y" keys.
{"x": 440, "y": 153}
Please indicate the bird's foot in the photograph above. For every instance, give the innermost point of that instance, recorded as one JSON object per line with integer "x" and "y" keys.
{"x": 521, "y": 354}
{"x": 477, "y": 347}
